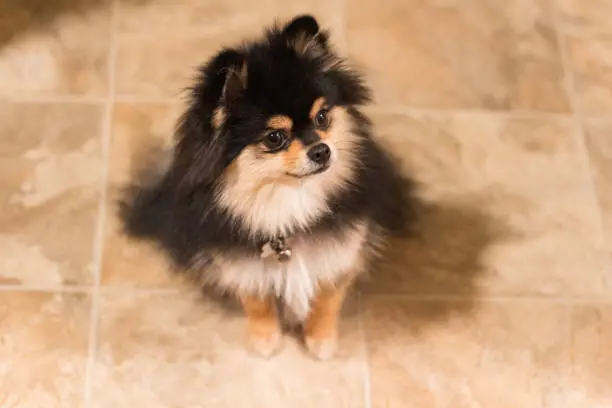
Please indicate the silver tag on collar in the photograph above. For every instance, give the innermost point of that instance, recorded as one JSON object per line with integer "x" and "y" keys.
{"x": 284, "y": 255}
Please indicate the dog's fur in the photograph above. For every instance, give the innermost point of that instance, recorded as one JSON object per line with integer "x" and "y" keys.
{"x": 225, "y": 194}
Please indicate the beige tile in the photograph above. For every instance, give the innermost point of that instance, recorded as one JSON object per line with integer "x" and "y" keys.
{"x": 162, "y": 43}
{"x": 50, "y": 178}
{"x": 459, "y": 54}
{"x": 599, "y": 144}
{"x": 591, "y": 62}
{"x": 586, "y": 17}
{"x": 43, "y": 349}
{"x": 137, "y": 130}
{"x": 507, "y": 209}
{"x": 55, "y": 47}
{"x": 587, "y": 382}
{"x": 589, "y": 39}
{"x": 497, "y": 355}
{"x": 153, "y": 346}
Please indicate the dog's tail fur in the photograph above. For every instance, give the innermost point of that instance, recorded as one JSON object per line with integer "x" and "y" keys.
{"x": 144, "y": 203}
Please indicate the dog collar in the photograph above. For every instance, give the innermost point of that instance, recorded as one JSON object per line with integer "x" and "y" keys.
{"x": 276, "y": 246}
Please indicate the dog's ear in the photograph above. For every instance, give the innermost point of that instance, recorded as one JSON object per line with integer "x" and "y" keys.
{"x": 226, "y": 75}
{"x": 235, "y": 83}
{"x": 305, "y": 37}
{"x": 201, "y": 152}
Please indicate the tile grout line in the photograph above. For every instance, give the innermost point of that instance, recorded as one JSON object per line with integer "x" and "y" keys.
{"x": 46, "y": 289}
{"x": 367, "y": 378}
{"x": 101, "y": 221}
{"x": 88, "y": 289}
{"x": 392, "y": 296}
{"x": 579, "y": 123}
{"x": 48, "y": 99}
{"x": 569, "y": 330}
{"x": 510, "y": 114}
{"x": 411, "y": 297}
{"x": 376, "y": 108}
{"x": 68, "y": 99}
{"x": 579, "y": 118}
{"x": 367, "y": 386}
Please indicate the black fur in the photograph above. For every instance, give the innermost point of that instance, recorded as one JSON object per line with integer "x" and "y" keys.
{"x": 179, "y": 212}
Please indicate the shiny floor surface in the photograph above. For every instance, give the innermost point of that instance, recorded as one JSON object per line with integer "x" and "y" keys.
{"x": 502, "y": 110}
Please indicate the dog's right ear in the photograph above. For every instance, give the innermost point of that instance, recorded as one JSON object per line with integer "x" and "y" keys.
{"x": 229, "y": 70}
{"x": 235, "y": 84}
{"x": 201, "y": 152}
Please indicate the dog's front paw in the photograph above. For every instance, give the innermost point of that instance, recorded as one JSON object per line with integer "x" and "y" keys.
{"x": 322, "y": 348}
{"x": 264, "y": 343}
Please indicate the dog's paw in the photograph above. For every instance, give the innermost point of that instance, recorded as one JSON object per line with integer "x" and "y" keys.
{"x": 322, "y": 348}
{"x": 265, "y": 344}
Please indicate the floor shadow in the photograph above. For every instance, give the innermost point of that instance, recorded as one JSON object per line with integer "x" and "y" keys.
{"x": 444, "y": 257}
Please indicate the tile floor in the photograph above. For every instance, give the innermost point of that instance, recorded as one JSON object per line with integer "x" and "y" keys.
{"x": 501, "y": 109}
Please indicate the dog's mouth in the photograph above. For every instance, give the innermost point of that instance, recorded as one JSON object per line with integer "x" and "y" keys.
{"x": 319, "y": 170}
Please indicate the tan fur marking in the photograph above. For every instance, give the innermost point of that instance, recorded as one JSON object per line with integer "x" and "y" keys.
{"x": 218, "y": 117}
{"x": 293, "y": 154}
{"x": 322, "y": 134}
{"x": 281, "y": 122}
{"x": 316, "y": 107}
{"x": 321, "y": 326}
{"x": 323, "y": 317}
{"x": 261, "y": 312}
{"x": 263, "y": 328}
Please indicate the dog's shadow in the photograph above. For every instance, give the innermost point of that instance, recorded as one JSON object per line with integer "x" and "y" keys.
{"x": 443, "y": 258}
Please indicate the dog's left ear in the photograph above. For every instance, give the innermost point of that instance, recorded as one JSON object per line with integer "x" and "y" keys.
{"x": 305, "y": 37}
{"x": 200, "y": 154}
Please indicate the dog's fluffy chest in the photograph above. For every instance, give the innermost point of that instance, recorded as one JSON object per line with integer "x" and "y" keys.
{"x": 314, "y": 261}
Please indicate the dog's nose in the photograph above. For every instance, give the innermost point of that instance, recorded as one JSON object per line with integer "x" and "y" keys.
{"x": 319, "y": 153}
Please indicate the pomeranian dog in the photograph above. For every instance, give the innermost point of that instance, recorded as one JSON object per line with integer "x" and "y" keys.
{"x": 276, "y": 191}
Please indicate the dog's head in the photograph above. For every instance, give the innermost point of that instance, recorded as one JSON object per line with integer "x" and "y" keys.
{"x": 270, "y": 129}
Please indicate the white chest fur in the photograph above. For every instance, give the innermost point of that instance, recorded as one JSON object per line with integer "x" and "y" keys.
{"x": 314, "y": 261}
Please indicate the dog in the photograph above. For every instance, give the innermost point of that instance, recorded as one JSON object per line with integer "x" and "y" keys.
{"x": 276, "y": 191}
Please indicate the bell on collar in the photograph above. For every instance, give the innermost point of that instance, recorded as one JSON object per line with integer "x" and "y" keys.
{"x": 284, "y": 255}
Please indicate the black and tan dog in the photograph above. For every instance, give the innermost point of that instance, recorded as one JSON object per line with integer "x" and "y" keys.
{"x": 276, "y": 190}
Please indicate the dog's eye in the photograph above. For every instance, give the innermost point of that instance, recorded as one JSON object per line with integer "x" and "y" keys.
{"x": 275, "y": 140}
{"x": 322, "y": 118}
